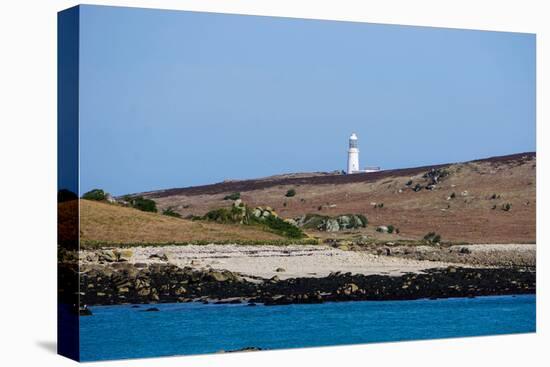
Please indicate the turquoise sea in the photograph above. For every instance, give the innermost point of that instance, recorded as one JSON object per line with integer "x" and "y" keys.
{"x": 115, "y": 332}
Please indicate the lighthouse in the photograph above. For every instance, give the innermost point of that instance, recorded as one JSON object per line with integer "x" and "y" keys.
{"x": 353, "y": 154}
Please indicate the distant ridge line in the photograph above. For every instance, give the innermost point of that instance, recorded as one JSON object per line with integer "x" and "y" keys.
{"x": 327, "y": 179}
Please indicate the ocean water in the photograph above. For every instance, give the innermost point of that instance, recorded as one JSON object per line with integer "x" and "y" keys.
{"x": 115, "y": 332}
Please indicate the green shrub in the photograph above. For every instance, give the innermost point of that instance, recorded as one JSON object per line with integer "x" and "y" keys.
{"x": 234, "y": 196}
{"x": 506, "y": 207}
{"x": 193, "y": 217}
{"x": 171, "y": 213}
{"x": 141, "y": 203}
{"x": 290, "y": 193}
{"x": 391, "y": 228}
{"x": 271, "y": 223}
{"x": 279, "y": 226}
{"x": 95, "y": 194}
{"x": 222, "y": 215}
{"x": 432, "y": 237}
{"x": 363, "y": 219}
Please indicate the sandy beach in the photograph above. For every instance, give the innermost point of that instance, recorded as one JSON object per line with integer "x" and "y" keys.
{"x": 294, "y": 261}
{"x": 283, "y": 261}
{"x": 277, "y": 275}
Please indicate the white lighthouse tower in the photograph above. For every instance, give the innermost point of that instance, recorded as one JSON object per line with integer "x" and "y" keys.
{"x": 353, "y": 155}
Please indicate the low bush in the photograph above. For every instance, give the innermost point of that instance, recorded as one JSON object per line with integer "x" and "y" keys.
{"x": 243, "y": 215}
{"x": 171, "y": 213}
{"x": 224, "y": 215}
{"x": 141, "y": 203}
{"x": 290, "y": 193}
{"x": 233, "y": 196}
{"x": 391, "y": 228}
{"x": 432, "y": 238}
{"x": 364, "y": 220}
{"x": 95, "y": 194}
{"x": 279, "y": 226}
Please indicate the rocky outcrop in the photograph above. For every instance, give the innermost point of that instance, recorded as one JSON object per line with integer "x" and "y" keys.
{"x": 260, "y": 212}
{"x": 109, "y": 256}
{"x": 123, "y": 282}
{"x": 436, "y": 283}
{"x": 331, "y": 224}
{"x": 142, "y": 283}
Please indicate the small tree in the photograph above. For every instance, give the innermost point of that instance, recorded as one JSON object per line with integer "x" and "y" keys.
{"x": 290, "y": 193}
{"x": 391, "y": 228}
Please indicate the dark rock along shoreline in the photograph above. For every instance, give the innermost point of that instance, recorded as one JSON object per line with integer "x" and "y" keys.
{"x": 126, "y": 283}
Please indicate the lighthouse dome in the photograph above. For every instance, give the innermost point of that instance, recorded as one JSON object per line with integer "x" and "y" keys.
{"x": 353, "y": 136}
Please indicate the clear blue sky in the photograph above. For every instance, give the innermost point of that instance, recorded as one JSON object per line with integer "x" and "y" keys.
{"x": 174, "y": 99}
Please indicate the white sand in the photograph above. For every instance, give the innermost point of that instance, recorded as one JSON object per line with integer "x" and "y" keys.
{"x": 297, "y": 260}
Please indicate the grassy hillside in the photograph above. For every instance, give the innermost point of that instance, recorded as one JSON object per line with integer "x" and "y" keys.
{"x": 115, "y": 224}
{"x": 482, "y": 189}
